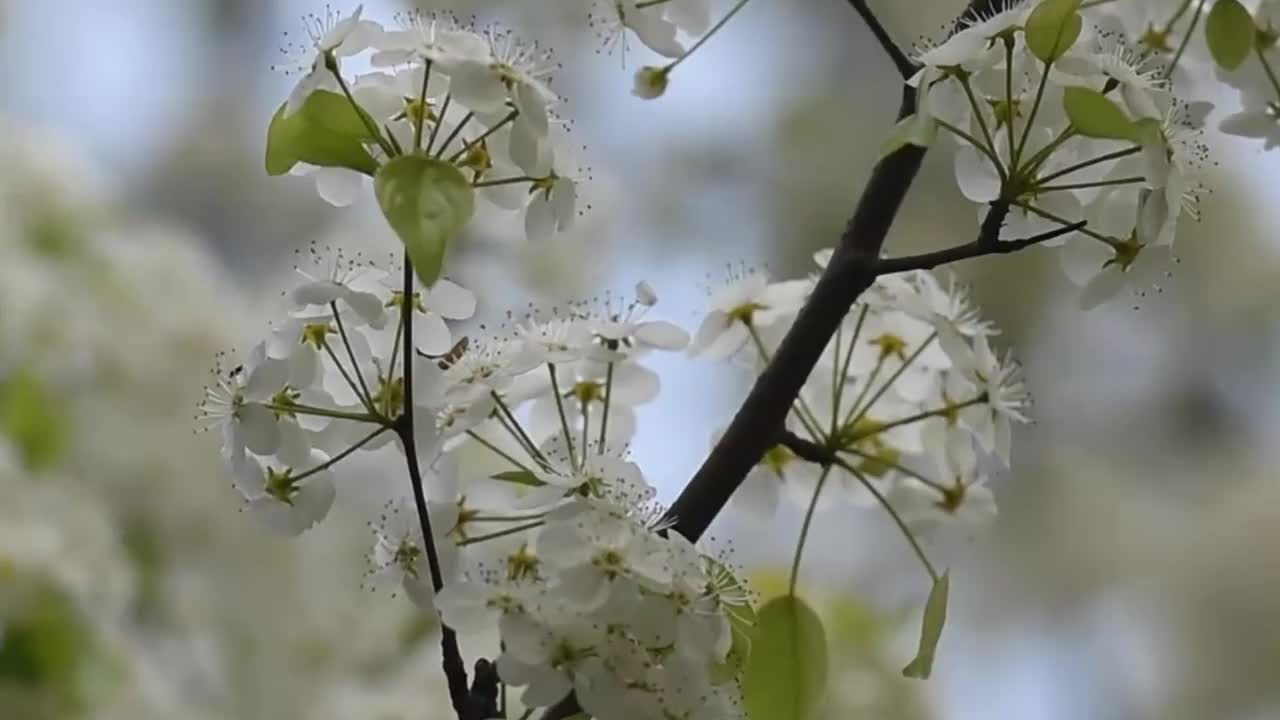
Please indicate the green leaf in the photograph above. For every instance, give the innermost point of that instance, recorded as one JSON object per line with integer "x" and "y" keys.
{"x": 935, "y": 616}
{"x": 32, "y": 420}
{"x": 1230, "y": 33}
{"x": 427, "y": 202}
{"x": 326, "y": 131}
{"x": 916, "y": 130}
{"x": 518, "y": 477}
{"x": 786, "y": 674}
{"x": 1052, "y": 28}
{"x": 1095, "y": 115}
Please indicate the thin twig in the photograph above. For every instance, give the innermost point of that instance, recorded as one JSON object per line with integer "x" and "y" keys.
{"x": 455, "y": 669}
{"x": 906, "y": 68}
{"x": 975, "y": 249}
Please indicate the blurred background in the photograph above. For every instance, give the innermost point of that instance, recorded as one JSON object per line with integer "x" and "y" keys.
{"x": 1132, "y": 573}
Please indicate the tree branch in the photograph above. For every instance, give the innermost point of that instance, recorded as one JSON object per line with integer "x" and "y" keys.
{"x": 760, "y": 422}
{"x": 975, "y": 249}
{"x": 851, "y": 271}
{"x": 806, "y": 449}
{"x": 455, "y": 669}
{"x": 906, "y": 68}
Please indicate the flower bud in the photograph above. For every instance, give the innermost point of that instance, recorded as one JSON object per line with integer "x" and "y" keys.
{"x": 651, "y": 82}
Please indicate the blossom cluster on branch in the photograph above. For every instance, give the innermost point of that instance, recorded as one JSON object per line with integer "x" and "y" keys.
{"x": 878, "y": 381}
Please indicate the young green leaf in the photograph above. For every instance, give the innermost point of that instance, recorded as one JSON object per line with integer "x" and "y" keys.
{"x": 914, "y": 130}
{"x": 1095, "y": 115}
{"x": 518, "y": 477}
{"x": 935, "y": 616}
{"x": 326, "y": 131}
{"x": 786, "y": 673}
{"x": 427, "y": 202}
{"x": 1230, "y": 33}
{"x": 1053, "y": 28}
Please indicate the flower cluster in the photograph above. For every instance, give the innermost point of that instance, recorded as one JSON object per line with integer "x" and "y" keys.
{"x": 479, "y": 98}
{"x": 1258, "y": 83}
{"x": 562, "y": 548}
{"x": 906, "y": 393}
{"x": 1063, "y": 121}
{"x": 663, "y": 26}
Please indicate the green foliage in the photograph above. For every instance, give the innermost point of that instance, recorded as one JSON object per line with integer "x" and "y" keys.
{"x": 518, "y": 477}
{"x": 919, "y": 130}
{"x": 1095, "y": 115}
{"x": 48, "y": 649}
{"x": 1230, "y": 33}
{"x": 935, "y": 617}
{"x": 31, "y": 420}
{"x": 786, "y": 673}
{"x": 427, "y": 202}
{"x": 327, "y": 131}
{"x": 1053, "y": 27}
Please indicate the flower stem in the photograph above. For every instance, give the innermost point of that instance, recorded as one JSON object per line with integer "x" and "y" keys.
{"x": 604, "y": 417}
{"x": 452, "y": 135}
{"x": 466, "y": 147}
{"x": 937, "y": 412}
{"x": 844, "y": 370}
{"x": 341, "y": 456}
{"x": 1086, "y": 185}
{"x": 422, "y": 108}
{"x": 455, "y": 669}
{"x": 564, "y": 419}
{"x": 502, "y": 533}
{"x": 1116, "y": 155}
{"x": 367, "y": 397}
{"x": 332, "y": 64}
{"x": 1064, "y": 222}
{"x": 326, "y": 412}
{"x": 435, "y": 129}
{"x": 897, "y": 519}
{"x": 1035, "y": 108}
{"x": 804, "y": 531}
{"x": 499, "y": 452}
{"x": 714, "y": 29}
{"x": 513, "y": 426}
{"x": 889, "y": 383}
{"x": 801, "y": 409}
{"x": 1186, "y": 40}
{"x": 504, "y": 181}
{"x": 982, "y": 124}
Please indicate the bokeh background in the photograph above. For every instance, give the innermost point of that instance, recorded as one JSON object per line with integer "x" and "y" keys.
{"x": 1132, "y": 573}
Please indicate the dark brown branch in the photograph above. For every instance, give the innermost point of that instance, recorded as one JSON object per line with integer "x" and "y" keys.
{"x": 851, "y": 271}
{"x": 760, "y": 421}
{"x": 906, "y": 68}
{"x": 974, "y": 249}
{"x": 455, "y": 669}
{"x": 807, "y": 449}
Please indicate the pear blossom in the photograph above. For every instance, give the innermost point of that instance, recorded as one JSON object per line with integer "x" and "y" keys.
{"x": 329, "y": 38}
{"x": 996, "y": 387}
{"x": 614, "y": 19}
{"x": 285, "y": 499}
{"x": 746, "y": 302}
{"x": 398, "y": 560}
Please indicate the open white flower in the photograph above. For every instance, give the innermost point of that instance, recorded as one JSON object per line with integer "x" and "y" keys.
{"x": 743, "y": 304}
{"x": 995, "y": 387}
{"x": 284, "y": 499}
{"x": 399, "y": 559}
{"x": 329, "y": 38}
